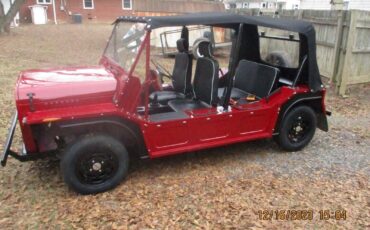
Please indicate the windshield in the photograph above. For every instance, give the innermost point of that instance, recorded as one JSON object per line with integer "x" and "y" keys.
{"x": 124, "y": 43}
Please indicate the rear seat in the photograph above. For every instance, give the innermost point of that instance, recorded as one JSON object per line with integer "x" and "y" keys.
{"x": 252, "y": 78}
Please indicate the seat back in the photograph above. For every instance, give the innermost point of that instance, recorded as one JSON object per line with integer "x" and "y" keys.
{"x": 205, "y": 85}
{"x": 181, "y": 75}
{"x": 255, "y": 78}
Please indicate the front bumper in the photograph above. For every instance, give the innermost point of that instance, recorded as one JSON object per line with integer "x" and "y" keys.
{"x": 23, "y": 155}
{"x": 7, "y": 151}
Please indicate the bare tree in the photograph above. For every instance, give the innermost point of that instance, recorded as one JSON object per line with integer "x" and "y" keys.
{"x": 6, "y": 18}
{"x": 2, "y": 12}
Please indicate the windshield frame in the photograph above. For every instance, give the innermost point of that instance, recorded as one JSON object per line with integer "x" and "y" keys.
{"x": 140, "y": 47}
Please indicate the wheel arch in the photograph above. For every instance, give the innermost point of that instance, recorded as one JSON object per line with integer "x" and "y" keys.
{"x": 312, "y": 100}
{"x": 128, "y": 132}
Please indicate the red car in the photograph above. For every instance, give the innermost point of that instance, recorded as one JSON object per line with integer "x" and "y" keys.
{"x": 97, "y": 118}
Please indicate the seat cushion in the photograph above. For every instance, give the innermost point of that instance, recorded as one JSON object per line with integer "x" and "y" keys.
{"x": 187, "y": 104}
{"x": 236, "y": 93}
{"x": 164, "y": 96}
{"x": 168, "y": 116}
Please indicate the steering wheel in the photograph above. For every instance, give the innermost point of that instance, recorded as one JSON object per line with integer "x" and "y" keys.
{"x": 161, "y": 71}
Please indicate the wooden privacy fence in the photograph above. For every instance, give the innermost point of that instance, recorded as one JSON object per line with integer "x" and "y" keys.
{"x": 343, "y": 43}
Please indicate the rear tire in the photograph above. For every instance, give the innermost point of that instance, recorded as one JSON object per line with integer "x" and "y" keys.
{"x": 297, "y": 128}
{"x": 94, "y": 164}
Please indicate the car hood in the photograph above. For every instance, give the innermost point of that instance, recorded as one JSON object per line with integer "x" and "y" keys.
{"x": 63, "y": 86}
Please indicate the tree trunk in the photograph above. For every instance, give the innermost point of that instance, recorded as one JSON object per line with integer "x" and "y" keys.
{"x": 7, "y": 18}
{"x": 2, "y": 13}
{"x": 1, "y": 9}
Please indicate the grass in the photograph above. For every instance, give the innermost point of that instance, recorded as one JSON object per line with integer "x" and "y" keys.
{"x": 217, "y": 188}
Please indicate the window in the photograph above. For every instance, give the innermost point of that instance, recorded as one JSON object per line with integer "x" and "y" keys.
{"x": 127, "y": 4}
{"x": 281, "y": 5}
{"x": 88, "y": 4}
{"x": 232, "y": 6}
{"x": 263, "y": 5}
{"x": 273, "y": 50}
{"x": 43, "y": 1}
{"x": 345, "y": 5}
{"x": 245, "y": 5}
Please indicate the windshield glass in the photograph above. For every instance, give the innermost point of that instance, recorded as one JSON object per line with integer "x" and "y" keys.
{"x": 124, "y": 43}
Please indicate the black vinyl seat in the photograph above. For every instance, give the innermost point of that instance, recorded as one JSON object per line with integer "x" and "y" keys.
{"x": 187, "y": 104}
{"x": 205, "y": 82}
{"x": 181, "y": 76}
{"x": 252, "y": 78}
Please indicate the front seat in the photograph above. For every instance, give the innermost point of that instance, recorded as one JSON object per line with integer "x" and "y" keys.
{"x": 205, "y": 82}
{"x": 252, "y": 78}
{"x": 181, "y": 76}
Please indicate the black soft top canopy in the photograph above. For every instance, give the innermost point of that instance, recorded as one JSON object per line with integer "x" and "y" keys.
{"x": 228, "y": 20}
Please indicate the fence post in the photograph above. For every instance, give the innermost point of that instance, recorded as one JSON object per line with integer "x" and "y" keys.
{"x": 300, "y": 14}
{"x": 348, "y": 54}
{"x": 337, "y": 48}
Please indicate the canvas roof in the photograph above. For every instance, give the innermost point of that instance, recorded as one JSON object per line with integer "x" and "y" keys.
{"x": 229, "y": 20}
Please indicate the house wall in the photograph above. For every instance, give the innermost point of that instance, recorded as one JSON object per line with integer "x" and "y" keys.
{"x": 359, "y": 4}
{"x": 177, "y": 6}
{"x": 316, "y": 4}
{"x": 290, "y": 4}
{"x": 270, "y": 5}
{"x": 109, "y": 10}
{"x": 104, "y": 10}
{"x": 325, "y": 4}
{"x": 239, "y": 5}
{"x": 254, "y": 5}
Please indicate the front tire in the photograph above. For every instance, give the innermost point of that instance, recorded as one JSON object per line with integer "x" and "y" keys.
{"x": 297, "y": 128}
{"x": 94, "y": 164}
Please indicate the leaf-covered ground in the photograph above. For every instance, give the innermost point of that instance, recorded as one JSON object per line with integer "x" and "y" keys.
{"x": 218, "y": 188}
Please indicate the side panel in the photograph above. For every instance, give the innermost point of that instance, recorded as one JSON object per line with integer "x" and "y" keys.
{"x": 167, "y": 135}
{"x": 195, "y": 133}
{"x": 254, "y": 120}
{"x": 206, "y": 128}
{"x": 212, "y": 128}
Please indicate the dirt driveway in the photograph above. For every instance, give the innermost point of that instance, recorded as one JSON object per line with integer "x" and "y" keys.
{"x": 218, "y": 188}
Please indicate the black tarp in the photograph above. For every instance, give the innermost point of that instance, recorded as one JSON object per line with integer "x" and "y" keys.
{"x": 305, "y": 30}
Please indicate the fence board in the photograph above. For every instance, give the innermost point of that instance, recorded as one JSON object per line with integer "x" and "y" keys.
{"x": 358, "y": 51}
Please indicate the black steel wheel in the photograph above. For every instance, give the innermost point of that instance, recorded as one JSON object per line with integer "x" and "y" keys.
{"x": 297, "y": 128}
{"x": 94, "y": 164}
{"x": 96, "y": 167}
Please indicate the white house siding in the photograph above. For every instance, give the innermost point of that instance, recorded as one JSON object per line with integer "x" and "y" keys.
{"x": 325, "y": 4}
{"x": 302, "y": 4}
{"x": 254, "y": 5}
{"x": 315, "y": 4}
{"x": 239, "y": 5}
{"x": 291, "y": 4}
{"x": 359, "y": 4}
